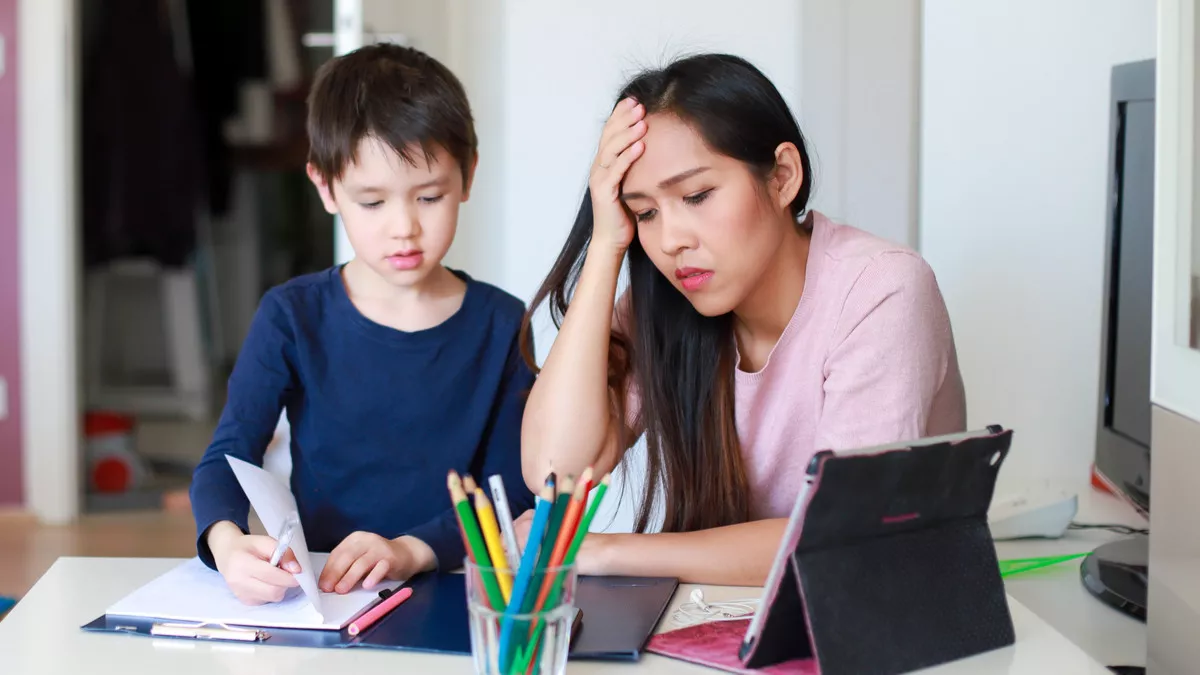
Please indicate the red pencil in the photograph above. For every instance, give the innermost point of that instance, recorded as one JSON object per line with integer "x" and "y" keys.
{"x": 378, "y": 611}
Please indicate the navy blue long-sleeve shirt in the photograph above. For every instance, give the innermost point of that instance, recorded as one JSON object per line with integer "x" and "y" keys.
{"x": 378, "y": 416}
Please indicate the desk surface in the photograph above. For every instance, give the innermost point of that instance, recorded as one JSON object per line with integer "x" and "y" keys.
{"x": 1057, "y": 595}
{"x": 42, "y": 635}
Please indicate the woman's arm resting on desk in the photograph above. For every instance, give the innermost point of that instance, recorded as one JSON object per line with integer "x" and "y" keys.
{"x": 736, "y": 555}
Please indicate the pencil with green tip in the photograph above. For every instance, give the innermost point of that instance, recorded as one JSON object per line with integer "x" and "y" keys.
{"x": 476, "y": 549}
{"x": 577, "y": 541}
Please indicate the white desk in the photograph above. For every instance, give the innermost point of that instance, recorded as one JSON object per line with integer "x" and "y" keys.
{"x": 42, "y": 636}
{"x": 1057, "y": 595}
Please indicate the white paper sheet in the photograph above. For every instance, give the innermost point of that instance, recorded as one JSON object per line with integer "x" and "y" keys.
{"x": 273, "y": 502}
{"x": 192, "y": 592}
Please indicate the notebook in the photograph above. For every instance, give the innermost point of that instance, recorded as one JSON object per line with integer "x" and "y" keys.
{"x": 194, "y": 593}
{"x": 715, "y": 645}
{"x": 618, "y": 616}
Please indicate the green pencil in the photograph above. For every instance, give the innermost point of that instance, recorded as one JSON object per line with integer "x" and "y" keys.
{"x": 565, "y": 489}
{"x": 530, "y": 650}
{"x": 477, "y": 549}
{"x": 586, "y": 523}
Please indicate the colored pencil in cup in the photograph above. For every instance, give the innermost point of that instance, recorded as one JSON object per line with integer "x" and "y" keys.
{"x": 476, "y": 547}
{"x": 504, "y": 516}
{"x": 541, "y": 518}
{"x": 566, "y": 490}
{"x": 586, "y": 523}
{"x": 491, "y": 539}
{"x": 566, "y": 532}
{"x": 581, "y": 532}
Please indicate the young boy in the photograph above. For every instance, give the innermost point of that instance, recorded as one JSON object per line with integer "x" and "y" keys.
{"x": 392, "y": 369}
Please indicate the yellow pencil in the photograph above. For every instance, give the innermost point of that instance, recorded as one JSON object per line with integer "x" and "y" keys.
{"x": 491, "y": 537}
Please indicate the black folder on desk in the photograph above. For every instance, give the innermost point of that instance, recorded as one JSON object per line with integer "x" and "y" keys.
{"x": 619, "y": 615}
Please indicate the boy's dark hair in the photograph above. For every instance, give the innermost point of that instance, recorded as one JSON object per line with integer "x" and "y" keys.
{"x": 400, "y": 95}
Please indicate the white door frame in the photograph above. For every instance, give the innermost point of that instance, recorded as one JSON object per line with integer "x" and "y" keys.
{"x": 1175, "y": 374}
{"x": 48, "y": 197}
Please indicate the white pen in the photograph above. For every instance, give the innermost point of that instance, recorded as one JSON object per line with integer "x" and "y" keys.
{"x": 286, "y": 532}
{"x": 504, "y": 515}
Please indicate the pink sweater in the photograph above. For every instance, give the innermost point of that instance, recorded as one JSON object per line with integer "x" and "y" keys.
{"x": 867, "y": 358}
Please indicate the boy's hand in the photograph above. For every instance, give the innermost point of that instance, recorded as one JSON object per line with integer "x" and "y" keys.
{"x": 371, "y": 558}
{"x": 244, "y": 561}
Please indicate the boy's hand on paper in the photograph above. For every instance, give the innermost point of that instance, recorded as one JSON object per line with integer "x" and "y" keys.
{"x": 369, "y": 558}
{"x": 244, "y": 562}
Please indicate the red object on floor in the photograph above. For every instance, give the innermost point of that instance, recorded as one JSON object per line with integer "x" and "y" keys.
{"x": 112, "y": 465}
{"x": 111, "y": 475}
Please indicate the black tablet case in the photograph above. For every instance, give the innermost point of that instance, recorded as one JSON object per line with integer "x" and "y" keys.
{"x": 894, "y": 568}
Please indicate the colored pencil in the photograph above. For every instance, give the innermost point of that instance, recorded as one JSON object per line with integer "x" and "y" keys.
{"x": 565, "y": 491}
{"x": 477, "y": 548}
{"x": 586, "y": 523}
{"x": 378, "y": 611}
{"x": 469, "y": 484}
{"x": 491, "y": 538}
{"x": 541, "y": 518}
{"x": 504, "y": 515}
{"x": 580, "y": 533}
{"x": 566, "y": 533}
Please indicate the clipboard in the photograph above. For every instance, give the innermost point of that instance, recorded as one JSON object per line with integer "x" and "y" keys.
{"x": 887, "y": 564}
{"x": 616, "y": 619}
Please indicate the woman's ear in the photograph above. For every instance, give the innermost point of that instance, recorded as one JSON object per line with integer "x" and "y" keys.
{"x": 324, "y": 189}
{"x": 788, "y": 176}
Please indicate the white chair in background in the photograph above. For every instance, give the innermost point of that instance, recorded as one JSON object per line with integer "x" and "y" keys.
{"x": 146, "y": 350}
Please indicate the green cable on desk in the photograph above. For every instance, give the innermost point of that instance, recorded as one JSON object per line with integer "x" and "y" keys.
{"x": 1018, "y": 565}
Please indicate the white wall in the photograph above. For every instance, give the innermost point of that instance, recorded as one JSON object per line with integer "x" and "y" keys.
{"x": 1014, "y": 146}
{"x": 859, "y": 91}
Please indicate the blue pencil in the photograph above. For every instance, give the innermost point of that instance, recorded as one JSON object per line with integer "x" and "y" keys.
{"x": 541, "y": 516}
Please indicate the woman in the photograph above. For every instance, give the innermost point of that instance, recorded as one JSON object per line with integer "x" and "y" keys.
{"x": 753, "y": 334}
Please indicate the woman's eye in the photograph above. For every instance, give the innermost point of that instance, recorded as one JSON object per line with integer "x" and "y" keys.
{"x": 645, "y": 216}
{"x": 698, "y": 197}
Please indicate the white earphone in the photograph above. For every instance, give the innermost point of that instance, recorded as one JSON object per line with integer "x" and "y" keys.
{"x": 696, "y": 610}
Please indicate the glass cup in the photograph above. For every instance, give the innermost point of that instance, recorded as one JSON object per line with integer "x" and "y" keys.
{"x": 535, "y": 636}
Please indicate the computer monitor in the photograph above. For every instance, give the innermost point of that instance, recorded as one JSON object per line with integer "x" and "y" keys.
{"x": 1117, "y": 572}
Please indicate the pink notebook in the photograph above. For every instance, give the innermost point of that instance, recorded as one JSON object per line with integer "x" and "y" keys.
{"x": 716, "y": 645}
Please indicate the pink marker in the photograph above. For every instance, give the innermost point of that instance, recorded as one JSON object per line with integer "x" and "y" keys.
{"x": 378, "y": 611}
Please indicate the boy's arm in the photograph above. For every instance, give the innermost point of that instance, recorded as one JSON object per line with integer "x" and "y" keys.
{"x": 259, "y": 385}
{"x": 500, "y": 454}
